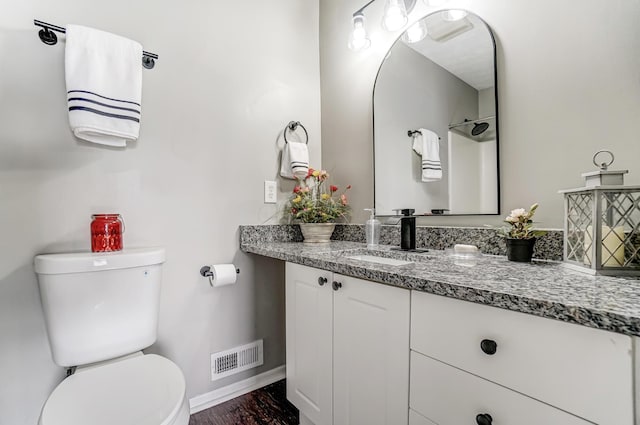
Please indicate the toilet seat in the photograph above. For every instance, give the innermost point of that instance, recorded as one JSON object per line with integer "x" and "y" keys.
{"x": 141, "y": 390}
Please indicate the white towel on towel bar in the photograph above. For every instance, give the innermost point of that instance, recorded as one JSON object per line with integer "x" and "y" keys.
{"x": 295, "y": 160}
{"x": 427, "y": 144}
{"x": 104, "y": 86}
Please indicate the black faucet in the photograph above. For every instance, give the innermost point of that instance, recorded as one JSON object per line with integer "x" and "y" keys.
{"x": 407, "y": 230}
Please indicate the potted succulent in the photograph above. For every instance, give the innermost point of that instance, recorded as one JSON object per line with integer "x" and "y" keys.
{"x": 316, "y": 206}
{"x": 520, "y": 236}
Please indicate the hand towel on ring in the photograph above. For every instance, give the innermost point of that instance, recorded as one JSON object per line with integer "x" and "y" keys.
{"x": 295, "y": 160}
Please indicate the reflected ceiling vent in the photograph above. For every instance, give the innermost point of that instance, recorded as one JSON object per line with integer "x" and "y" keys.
{"x": 441, "y": 30}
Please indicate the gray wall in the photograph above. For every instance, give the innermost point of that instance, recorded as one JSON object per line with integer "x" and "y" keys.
{"x": 229, "y": 77}
{"x": 413, "y": 92}
{"x": 568, "y": 86}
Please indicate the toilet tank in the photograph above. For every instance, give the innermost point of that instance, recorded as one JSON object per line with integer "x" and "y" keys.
{"x": 98, "y": 306}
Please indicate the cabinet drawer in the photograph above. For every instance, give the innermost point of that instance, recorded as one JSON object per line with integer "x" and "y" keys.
{"x": 418, "y": 419}
{"x": 585, "y": 371}
{"x": 448, "y": 396}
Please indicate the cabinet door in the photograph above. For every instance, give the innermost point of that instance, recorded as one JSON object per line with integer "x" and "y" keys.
{"x": 370, "y": 353}
{"x": 309, "y": 324}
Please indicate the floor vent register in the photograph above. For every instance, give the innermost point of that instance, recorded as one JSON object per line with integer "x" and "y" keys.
{"x": 235, "y": 360}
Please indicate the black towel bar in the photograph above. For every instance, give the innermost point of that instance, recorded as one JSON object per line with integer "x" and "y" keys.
{"x": 412, "y": 133}
{"x": 49, "y": 37}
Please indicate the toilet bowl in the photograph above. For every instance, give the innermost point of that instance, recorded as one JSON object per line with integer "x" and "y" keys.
{"x": 140, "y": 390}
{"x": 101, "y": 310}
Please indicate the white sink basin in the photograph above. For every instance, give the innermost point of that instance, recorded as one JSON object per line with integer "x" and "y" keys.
{"x": 380, "y": 260}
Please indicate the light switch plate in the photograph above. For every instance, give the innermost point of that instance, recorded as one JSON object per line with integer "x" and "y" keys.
{"x": 270, "y": 192}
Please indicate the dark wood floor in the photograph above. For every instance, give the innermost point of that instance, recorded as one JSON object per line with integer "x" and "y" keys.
{"x": 266, "y": 406}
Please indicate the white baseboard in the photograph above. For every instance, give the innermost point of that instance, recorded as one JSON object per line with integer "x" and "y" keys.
{"x": 215, "y": 397}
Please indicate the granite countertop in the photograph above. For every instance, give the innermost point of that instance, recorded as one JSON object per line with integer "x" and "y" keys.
{"x": 542, "y": 288}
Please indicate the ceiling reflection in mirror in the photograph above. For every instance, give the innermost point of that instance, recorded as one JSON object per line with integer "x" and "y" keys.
{"x": 435, "y": 119}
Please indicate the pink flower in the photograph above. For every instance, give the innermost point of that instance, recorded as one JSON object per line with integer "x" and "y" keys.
{"x": 343, "y": 199}
{"x": 348, "y": 187}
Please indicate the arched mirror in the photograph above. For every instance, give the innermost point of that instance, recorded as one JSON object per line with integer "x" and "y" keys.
{"x": 436, "y": 119}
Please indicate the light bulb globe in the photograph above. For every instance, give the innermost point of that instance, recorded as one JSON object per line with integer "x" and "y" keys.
{"x": 359, "y": 40}
{"x": 395, "y": 15}
{"x": 415, "y": 33}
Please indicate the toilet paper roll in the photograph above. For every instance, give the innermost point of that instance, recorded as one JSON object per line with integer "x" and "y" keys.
{"x": 223, "y": 274}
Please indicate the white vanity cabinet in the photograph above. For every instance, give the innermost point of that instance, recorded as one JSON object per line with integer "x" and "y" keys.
{"x": 364, "y": 353}
{"x": 347, "y": 348}
{"x": 469, "y": 359}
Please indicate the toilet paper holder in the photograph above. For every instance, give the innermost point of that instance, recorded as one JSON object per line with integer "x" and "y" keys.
{"x": 205, "y": 271}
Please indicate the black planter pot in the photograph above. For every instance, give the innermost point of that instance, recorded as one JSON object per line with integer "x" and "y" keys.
{"x": 520, "y": 250}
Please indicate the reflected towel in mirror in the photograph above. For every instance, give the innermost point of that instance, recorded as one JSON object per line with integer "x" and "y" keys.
{"x": 426, "y": 143}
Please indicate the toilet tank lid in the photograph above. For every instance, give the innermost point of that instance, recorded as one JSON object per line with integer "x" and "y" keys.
{"x": 83, "y": 262}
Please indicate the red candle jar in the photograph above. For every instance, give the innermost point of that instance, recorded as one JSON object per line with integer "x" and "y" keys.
{"x": 106, "y": 232}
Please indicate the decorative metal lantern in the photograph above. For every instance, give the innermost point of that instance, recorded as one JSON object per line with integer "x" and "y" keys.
{"x": 602, "y": 223}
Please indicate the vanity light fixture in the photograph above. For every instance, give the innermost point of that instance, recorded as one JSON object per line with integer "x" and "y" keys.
{"x": 395, "y": 18}
{"x": 416, "y": 32}
{"x": 453, "y": 15}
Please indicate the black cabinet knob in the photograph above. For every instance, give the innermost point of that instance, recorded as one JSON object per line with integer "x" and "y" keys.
{"x": 337, "y": 285}
{"x": 489, "y": 346}
{"x": 322, "y": 281}
{"x": 484, "y": 419}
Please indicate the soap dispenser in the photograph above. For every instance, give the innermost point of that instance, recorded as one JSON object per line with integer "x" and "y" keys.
{"x": 372, "y": 229}
{"x": 407, "y": 230}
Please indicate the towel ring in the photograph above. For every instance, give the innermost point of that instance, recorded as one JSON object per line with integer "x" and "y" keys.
{"x": 293, "y": 126}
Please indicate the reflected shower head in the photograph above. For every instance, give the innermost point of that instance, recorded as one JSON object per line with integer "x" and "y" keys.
{"x": 479, "y": 128}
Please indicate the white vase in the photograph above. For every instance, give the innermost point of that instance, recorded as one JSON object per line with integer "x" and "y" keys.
{"x": 317, "y": 232}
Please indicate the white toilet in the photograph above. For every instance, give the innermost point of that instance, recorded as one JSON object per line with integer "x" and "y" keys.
{"x": 101, "y": 309}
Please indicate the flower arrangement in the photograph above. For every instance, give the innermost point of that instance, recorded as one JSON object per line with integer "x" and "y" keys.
{"x": 521, "y": 224}
{"x": 313, "y": 202}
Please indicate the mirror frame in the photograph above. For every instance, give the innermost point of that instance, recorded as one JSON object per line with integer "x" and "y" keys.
{"x": 497, "y": 113}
